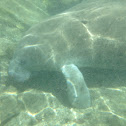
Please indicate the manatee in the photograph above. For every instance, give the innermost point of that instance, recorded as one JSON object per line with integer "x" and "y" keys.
{"x": 91, "y": 34}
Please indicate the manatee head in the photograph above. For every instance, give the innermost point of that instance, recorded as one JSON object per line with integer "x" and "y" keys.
{"x": 17, "y": 72}
{"x": 29, "y": 56}
{"x": 25, "y": 59}
{"x": 17, "y": 69}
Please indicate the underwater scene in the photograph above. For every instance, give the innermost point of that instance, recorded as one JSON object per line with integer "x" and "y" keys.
{"x": 62, "y": 63}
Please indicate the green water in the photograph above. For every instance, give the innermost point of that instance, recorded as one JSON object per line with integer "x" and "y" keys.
{"x": 44, "y": 102}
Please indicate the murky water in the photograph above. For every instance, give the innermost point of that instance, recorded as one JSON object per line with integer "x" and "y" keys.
{"x": 43, "y": 100}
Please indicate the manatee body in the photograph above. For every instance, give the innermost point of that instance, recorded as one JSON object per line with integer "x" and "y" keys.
{"x": 91, "y": 34}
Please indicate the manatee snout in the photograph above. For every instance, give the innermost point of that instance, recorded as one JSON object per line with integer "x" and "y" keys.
{"x": 17, "y": 71}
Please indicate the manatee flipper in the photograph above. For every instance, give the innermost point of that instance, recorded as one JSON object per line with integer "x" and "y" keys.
{"x": 78, "y": 93}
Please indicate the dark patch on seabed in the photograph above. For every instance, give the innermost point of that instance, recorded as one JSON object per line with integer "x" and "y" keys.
{"x": 51, "y": 82}
{"x": 54, "y": 82}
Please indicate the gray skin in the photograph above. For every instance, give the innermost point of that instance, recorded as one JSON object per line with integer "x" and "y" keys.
{"x": 91, "y": 34}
